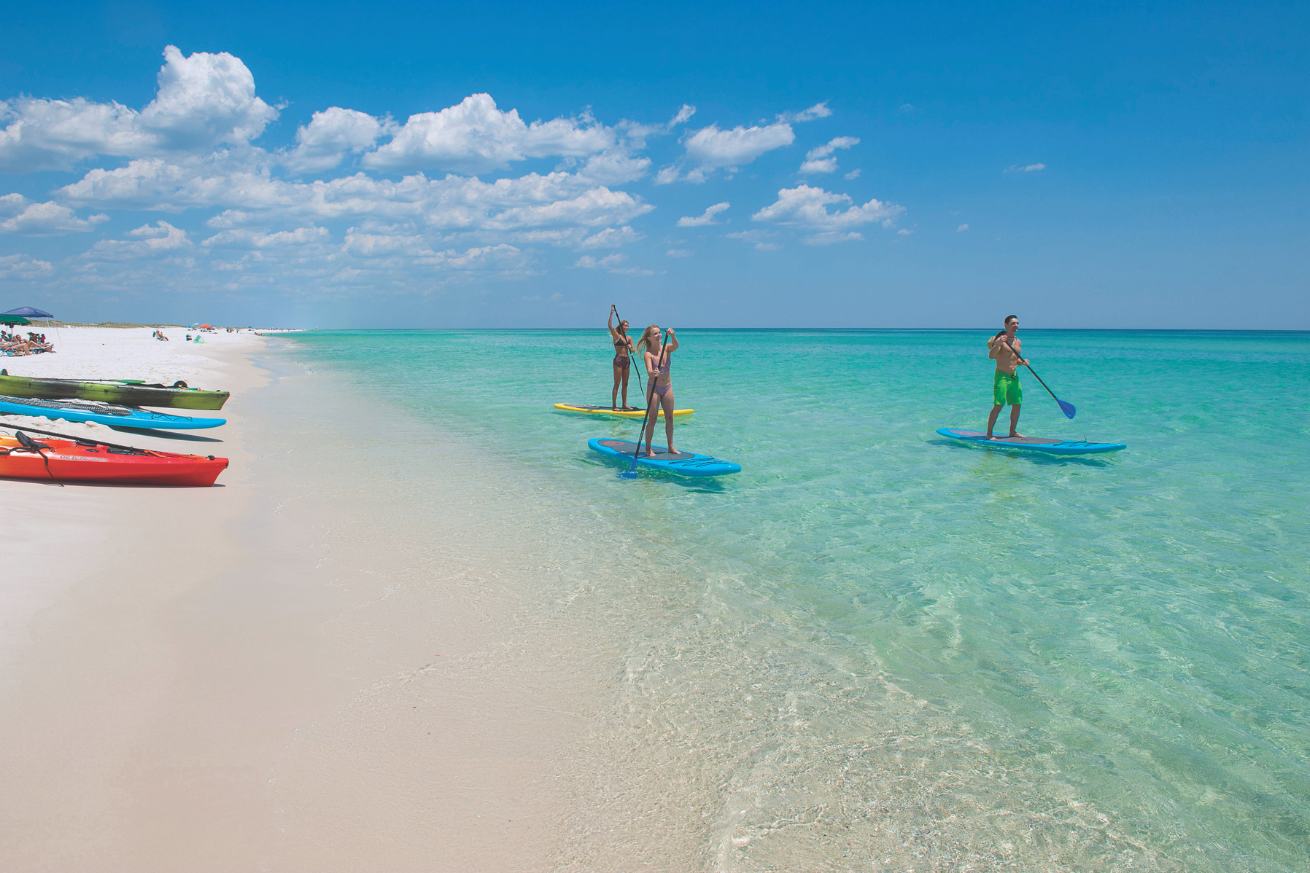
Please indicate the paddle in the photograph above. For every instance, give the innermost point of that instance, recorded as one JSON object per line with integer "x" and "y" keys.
{"x": 650, "y": 404}
{"x": 627, "y": 351}
{"x": 1066, "y": 408}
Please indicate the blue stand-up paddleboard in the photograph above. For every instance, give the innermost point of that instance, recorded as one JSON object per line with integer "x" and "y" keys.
{"x": 1031, "y": 444}
{"x": 103, "y": 413}
{"x": 682, "y": 463}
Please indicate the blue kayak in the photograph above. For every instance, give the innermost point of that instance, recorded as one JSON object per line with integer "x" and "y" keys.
{"x": 103, "y": 413}
{"x": 1031, "y": 444}
{"x": 682, "y": 463}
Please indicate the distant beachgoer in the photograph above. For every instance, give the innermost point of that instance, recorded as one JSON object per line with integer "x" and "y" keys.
{"x": 623, "y": 349}
{"x": 659, "y": 387}
{"x": 1006, "y": 349}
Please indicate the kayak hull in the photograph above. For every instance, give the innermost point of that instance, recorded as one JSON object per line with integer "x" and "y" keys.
{"x": 683, "y": 464}
{"x": 69, "y": 461}
{"x": 101, "y": 413}
{"x": 1032, "y": 444}
{"x": 112, "y": 392}
{"x": 617, "y": 413}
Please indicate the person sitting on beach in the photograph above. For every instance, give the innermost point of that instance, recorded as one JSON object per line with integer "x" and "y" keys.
{"x": 659, "y": 387}
{"x": 622, "y": 358}
{"x": 1005, "y": 348}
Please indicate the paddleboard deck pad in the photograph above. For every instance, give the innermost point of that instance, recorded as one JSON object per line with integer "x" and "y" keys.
{"x": 1032, "y": 444}
{"x": 682, "y": 463}
{"x": 621, "y": 412}
{"x": 103, "y": 413}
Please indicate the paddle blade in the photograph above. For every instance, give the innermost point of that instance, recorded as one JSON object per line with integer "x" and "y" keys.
{"x": 628, "y": 474}
{"x": 1067, "y": 408}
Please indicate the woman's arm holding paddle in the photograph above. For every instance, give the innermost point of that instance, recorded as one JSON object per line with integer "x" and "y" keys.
{"x": 609, "y": 322}
{"x": 673, "y": 342}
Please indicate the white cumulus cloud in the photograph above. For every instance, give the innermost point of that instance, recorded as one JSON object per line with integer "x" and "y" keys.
{"x": 23, "y": 267}
{"x": 204, "y": 100}
{"x": 454, "y": 202}
{"x": 714, "y": 149}
{"x": 614, "y": 166}
{"x": 409, "y": 194}
{"x": 253, "y": 239}
{"x": 475, "y": 136}
{"x": 158, "y": 240}
{"x": 591, "y": 262}
{"x": 711, "y": 149}
{"x": 706, "y": 218}
{"x": 20, "y": 215}
{"x": 815, "y": 112}
{"x": 821, "y": 159}
{"x": 330, "y": 136}
{"x": 807, "y": 208}
{"x": 610, "y": 238}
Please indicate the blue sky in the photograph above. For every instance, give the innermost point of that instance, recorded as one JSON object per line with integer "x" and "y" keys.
{"x": 936, "y": 165}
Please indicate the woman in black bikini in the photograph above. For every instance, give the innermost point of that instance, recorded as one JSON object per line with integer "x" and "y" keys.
{"x": 622, "y": 361}
{"x": 660, "y": 386}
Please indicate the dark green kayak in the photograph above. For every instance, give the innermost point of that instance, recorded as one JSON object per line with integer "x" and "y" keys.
{"x": 175, "y": 396}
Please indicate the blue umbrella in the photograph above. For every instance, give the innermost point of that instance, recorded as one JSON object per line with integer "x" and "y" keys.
{"x": 28, "y": 312}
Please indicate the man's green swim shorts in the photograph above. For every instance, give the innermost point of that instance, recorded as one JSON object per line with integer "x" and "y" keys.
{"x": 1006, "y": 389}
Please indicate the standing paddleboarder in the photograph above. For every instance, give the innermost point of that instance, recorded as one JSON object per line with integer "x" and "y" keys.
{"x": 622, "y": 358}
{"x": 659, "y": 389}
{"x": 1006, "y": 349}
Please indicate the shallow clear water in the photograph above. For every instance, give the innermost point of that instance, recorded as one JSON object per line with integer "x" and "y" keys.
{"x": 876, "y": 647}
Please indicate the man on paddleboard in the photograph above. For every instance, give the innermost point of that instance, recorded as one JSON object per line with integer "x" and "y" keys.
{"x": 1005, "y": 348}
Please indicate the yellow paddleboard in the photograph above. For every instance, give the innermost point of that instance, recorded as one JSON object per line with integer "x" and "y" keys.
{"x": 618, "y": 413}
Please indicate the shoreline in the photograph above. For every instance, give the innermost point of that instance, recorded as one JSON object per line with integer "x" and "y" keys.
{"x": 216, "y": 679}
{"x": 392, "y": 640}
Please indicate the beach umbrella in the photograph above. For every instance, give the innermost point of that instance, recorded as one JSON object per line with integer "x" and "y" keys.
{"x": 28, "y": 312}
{"x": 209, "y": 326}
{"x": 13, "y": 319}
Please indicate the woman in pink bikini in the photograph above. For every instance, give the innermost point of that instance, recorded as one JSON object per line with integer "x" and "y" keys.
{"x": 659, "y": 362}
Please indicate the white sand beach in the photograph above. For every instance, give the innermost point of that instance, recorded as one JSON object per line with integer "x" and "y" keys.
{"x": 223, "y": 678}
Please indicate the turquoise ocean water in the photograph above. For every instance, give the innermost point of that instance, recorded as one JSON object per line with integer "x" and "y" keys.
{"x": 906, "y": 651}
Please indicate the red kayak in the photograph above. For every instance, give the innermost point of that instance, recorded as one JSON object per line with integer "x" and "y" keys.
{"x": 85, "y": 460}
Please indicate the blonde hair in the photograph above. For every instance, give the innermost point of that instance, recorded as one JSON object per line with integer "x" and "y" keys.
{"x": 644, "y": 342}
